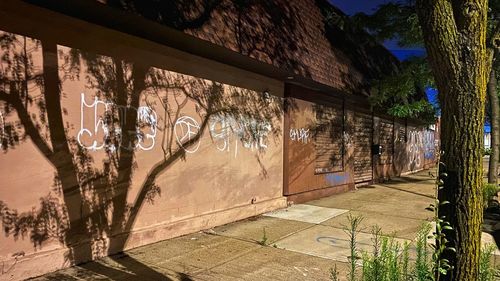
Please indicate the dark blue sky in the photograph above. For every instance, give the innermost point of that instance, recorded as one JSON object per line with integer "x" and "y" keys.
{"x": 351, "y": 7}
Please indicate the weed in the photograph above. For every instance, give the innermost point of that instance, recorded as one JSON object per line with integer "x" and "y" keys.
{"x": 334, "y": 274}
{"x": 490, "y": 190}
{"x": 486, "y": 270}
{"x": 263, "y": 240}
{"x": 352, "y": 231}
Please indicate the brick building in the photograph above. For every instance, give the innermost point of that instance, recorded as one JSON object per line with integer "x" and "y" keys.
{"x": 127, "y": 122}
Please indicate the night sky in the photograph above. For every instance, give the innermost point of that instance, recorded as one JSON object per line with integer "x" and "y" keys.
{"x": 351, "y": 7}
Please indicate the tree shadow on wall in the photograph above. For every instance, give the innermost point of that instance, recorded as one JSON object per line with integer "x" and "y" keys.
{"x": 87, "y": 210}
{"x": 269, "y": 31}
{"x": 329, "y": 136}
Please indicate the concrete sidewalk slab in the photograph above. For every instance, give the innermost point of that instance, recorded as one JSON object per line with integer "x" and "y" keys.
{"x": 268, "y": 263}
{"x": 396, "y": 226}
{"x": 254, "y": 229}
{"x": 326, "y": 242}
{"x": 306, "y": 213}
{"x": 205, "y": 257}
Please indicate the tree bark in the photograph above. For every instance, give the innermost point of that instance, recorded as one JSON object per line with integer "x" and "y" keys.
{"x": 495, "y": 136}
{"x": 455, "y": 38}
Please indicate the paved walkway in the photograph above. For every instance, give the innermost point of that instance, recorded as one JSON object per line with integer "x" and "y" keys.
{"x": 299, "y": 243}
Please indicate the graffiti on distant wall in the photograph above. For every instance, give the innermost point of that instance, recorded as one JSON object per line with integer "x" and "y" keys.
{"x": 300, "y": 135}
{"x": 348, "y": 139}
{"x": 227, "y": 131}
{"x": 98, "y": 134}
{"x": 414, "y": 149}
{"x": 429, "y": 145}
{"x": 2, "y": 129}
{"x": 337, "y": 178}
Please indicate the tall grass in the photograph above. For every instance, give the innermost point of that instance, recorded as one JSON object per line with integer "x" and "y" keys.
{"x": 389, "y": 259}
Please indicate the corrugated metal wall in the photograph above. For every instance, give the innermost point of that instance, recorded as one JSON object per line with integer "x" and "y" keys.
{"x": 342, "y": 145}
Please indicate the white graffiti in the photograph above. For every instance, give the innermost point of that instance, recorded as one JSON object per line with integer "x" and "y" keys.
{"x": 414, "y": 153}
{"x": 104, "y": 125}
{"x": 348, "y": 139}
{"x": 186, "y": 129}
{"x": 429, "y": 145}
{"x": 227, "y": 131}
{"x": 2, "y": 129}
{"x": 300, "y": 135}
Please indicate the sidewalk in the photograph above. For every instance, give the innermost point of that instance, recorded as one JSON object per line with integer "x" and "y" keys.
{"x": 301, "y": 243}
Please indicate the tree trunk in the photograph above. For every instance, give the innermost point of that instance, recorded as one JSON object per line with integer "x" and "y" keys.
{"x": 495, "y": 136}
{"x": 455, "y": 38}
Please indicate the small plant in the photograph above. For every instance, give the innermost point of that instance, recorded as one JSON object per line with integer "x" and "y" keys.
{"x": 263, "y": 240}
{"x": 334, "y": 274}
{"x": 405, "y": 262}
{"x": 388, "y": 261}
{"x": 486, "y": 269}
{"x": 490, "y": 190}
{"x": 422, "y": 267}
{"x": 486, "y": 151}
{"x": 352, "y": 231}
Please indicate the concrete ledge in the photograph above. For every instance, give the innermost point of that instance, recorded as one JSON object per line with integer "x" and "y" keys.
{"x": 45, "y": 261}
{"x": 319, "y": 193}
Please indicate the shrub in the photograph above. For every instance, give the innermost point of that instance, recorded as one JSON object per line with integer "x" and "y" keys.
{"x": 389, "y": 260}
{"x": 489, "y": 191}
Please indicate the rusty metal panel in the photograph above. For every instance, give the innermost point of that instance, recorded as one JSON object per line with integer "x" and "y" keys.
{"x": 386, "y": 140}
{"x": 328, "y": 139}
{"x": 362, "y": 147}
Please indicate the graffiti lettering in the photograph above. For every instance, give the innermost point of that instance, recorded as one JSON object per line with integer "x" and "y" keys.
{"x": 225, "y": 130}
{"x": 348, "y": 139}
{"x": 299, "y": 135}
{"x": 104, "y": 125}
{"x": 186, "y": 129}
{"x": 2, "y": 129}
{"x": 429, "y": 145}
{"x": 414, "y": 145}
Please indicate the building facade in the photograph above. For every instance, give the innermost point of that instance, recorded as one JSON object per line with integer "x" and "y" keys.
{"x": 123, "y": 125}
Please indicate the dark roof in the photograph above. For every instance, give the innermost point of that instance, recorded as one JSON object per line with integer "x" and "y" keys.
{"x": 307, "y": 38}
{"x": 310, "y": 38}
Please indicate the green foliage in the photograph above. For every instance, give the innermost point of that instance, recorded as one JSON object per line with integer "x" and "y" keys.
{"x": 263, "y": 240}
{"x": 489, "y": 191}
{"x": 486, "y": 151}
{"x": 388, "y": 260}
{"x": 421, "y": 109}
{"x": 393, "y": 21}
{"x": 402, "y": 95}
{"x": 486, "y": 269}
{"x": 352, "y": 231}
{"x": 422, "y": 267}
